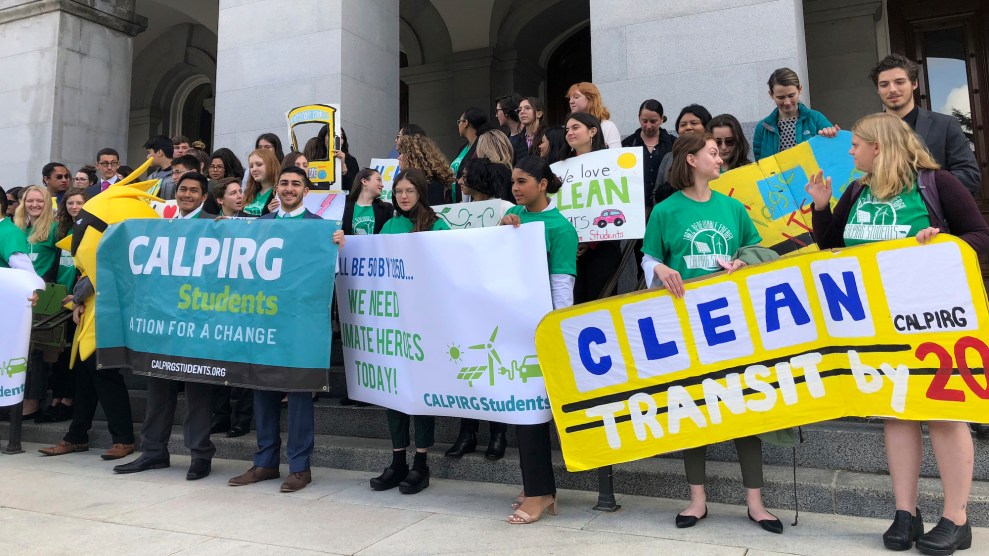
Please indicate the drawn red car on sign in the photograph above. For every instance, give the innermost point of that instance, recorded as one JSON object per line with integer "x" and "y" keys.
{"x": 610, "y": 216}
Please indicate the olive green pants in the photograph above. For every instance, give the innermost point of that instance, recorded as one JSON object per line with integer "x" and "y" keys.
{"x": 749, "y": 450}
{"x": 398, "y": 426}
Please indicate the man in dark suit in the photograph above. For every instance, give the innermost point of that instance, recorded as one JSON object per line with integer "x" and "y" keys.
{"x": 293, "y": 184}
{"x": 163, "y": 393}
{"x": 895, "y": 77}
{"x": 107, "y": 162}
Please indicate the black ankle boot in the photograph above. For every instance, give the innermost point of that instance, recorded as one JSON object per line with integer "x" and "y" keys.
{"x": 394, "y": 474}
{"x": 418, "y": 477}
{"x": 904, "y": 531}
{"x": 496, "y": 447}
{"x": 465, "y": 444}
{"x": 945, "y": 538}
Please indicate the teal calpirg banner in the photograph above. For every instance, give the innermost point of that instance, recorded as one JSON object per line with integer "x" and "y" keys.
{"x": 237, "y": 302}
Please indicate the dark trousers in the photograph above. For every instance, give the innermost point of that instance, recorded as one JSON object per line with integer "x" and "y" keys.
{"x": 398, "y": 426}
{"x": 594, "y": 268}
{"x": 749, "y": 450}
{"x": 104, "y": 387}
{"x": 36, "y": 382}
{"x": 469, "y": 426}
{"x": 301, "y": 429}
{"x": 160, "y": 414}
{"x": 239, "y": 414}
{"x": 536, "y": 460}
{"x": 61, "y": 381}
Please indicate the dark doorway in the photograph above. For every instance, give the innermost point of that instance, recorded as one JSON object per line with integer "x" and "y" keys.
{"x": 197, "y": 121}
{"x": 569, "y": 64}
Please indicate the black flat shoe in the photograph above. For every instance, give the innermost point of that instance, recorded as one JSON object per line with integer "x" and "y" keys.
{"x": 684, "y": 521}
{"x": 237, "y": 430}
{"x": 496, "y": 447}
{"x": 980, "y": 430}
{"x": 391, "y": 478}
{"x": 771, "y": 525}
{"x": 199, "y": 469}
{"x": 36, "y": 415}
{"x": 141, "y": 464}
{"x": 219, "y": 426}
{"x": 945, "y": 538}
{"x": 465, "y": 444}
{"x": 415, "y": 482}
{"x": 904, "y": 531}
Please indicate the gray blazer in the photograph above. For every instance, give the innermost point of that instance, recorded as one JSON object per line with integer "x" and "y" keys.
{"x": 949, "y": 146}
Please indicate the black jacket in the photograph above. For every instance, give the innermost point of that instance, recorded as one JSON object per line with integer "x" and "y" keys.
{"x": 949, "y": 146}
{"x": 651, "y": 164}
{"x": 382, "y": 212}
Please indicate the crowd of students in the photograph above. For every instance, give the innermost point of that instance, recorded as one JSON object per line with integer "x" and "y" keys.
{"x": 904, "y": 153}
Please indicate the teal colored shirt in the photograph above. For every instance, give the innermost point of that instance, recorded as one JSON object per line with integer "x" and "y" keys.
{"x": 257, "y": 205}
{"x": 873, "y": 220}
{"x": 43, "y": 253}
{"x": 690, "y": 236}
{"x": 363, "y": 221}
{"x": 402, "y": 225}
{"x": 561, "y": 238}
{"x": 12, "y": 241}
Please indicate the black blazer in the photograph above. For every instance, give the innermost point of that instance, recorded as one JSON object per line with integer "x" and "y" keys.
{"x": 382, "y": 212}
{"x": 306, "y": 214}
{"x": 949, "y": 146}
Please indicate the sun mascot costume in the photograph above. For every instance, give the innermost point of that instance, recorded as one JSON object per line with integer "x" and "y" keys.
{"x": 121, "y": 201}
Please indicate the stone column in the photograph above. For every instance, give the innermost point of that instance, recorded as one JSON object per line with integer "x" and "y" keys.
{"x": 694, "y": 51}
{"x": 65, "y": 91}
{"x": 274, "y": 55}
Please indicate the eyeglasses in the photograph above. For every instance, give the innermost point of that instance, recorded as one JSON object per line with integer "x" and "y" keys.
{"x": 404, "y": 192}
{"x": 60, "y": 176}
{"x": 727, "y": 141}
{"x": 106, "y": 164}
{"x": 216, "y": 167}
{"x": 80, "y": 180}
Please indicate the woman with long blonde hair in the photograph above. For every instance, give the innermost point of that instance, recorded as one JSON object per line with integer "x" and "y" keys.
{"x": 422, "y": 153}
{"x": 904, "y": 193}
{"x": 585, "y": 97}
{"x": 35, "y": 218}
{"x": 259, "y": 193}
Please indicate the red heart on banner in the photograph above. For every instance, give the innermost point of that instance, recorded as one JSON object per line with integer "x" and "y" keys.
{"x": 170, "y": 210}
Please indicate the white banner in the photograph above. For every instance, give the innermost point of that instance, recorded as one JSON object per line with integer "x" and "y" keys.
{"x": 477, "y": 214}
{"x": 388, "y": 168}
{"x": 442, "y": 323}
{"x": 16, "y": 286}
{"x": 603, "y": 194}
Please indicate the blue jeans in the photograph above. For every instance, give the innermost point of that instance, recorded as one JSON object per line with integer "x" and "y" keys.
{"x": 301, "y": 434}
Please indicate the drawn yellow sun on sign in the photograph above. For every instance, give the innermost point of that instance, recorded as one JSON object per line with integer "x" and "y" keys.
{"x": 626, "y": 160}
{"x": 455, "y": 352}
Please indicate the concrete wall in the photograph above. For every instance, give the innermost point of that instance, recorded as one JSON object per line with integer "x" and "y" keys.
{"x": 718, "y": 53}
{"x": 64, "y": 92}
{"x": 274, "y": 55}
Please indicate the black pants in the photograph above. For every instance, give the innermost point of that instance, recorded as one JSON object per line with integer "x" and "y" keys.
{"x": 749, "y": 450}
{"x": 105, "y": 387}
{"x": 36, "y": 382}
{"x": 157, "y": 429}
{"x": 61, "y": 381}
{"x": 468, "y": 426}
{"x": 238, "y": 414}
{"x": 398, "y": 426}
{"x": 594, "y": 268}
{"x": 536, "y": 460}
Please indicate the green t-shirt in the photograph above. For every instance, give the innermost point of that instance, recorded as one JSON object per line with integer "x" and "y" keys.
{"x": 43, "y": 254}
{"x": 561, "y": 238}
{"x": 259, "y": 202}
{"x": 66, "y": 270}
{"x": 12, "y": 241}
{"x": 690, "y": 237}
{"x": 363, "y": 221}
{"x": 402, "y": 225}
{"x": 873, "y": 220}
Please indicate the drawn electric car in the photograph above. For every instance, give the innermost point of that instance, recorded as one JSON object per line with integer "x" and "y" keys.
{"x": 609, "y": 216}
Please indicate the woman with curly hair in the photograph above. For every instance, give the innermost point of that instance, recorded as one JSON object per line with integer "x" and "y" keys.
{"x": 421, "y": 153}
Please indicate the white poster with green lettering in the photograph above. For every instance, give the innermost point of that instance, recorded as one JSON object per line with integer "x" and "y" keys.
{"x": 16, "y": 286}
{"x": 603, "y": 194}
{"x": 443, "y": 323}
{"x": 234, "y": 302}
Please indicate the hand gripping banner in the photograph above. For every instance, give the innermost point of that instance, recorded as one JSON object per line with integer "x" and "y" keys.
{"x": 892, "y": 329}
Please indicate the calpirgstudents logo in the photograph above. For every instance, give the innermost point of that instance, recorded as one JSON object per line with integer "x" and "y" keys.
{"x": 524, "y": 369}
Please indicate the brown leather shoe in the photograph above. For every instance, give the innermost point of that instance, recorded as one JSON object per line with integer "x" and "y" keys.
{"x": 297, "y": 481}
{"x": 63, "y": 448}
{"x": 255, "y": 475}
{"x": 118, "y": 451}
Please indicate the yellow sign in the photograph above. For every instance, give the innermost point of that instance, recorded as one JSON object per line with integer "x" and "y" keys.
{"x": 858, "y": 332}
{"x": 772, "y": 189}
{"x": 324, "y": 174}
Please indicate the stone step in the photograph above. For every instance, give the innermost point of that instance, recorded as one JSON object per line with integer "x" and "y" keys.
{"x": 818, "y": 490}
{"x": 843, "y": 445}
